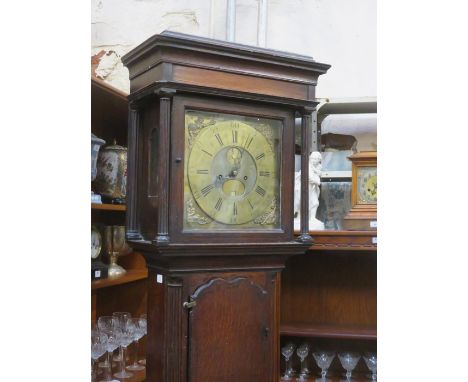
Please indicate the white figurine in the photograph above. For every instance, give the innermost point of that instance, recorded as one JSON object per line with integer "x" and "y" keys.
{"x": 315, "y": 170}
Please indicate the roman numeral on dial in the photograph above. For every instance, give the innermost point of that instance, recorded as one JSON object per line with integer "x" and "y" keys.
{"x": 235, "y": 209}
{"x": 248, "y": 141}
{"x": 219, "y": 203}
{"x": 220, "y": 141}
{"x": 264, "y": 173}
{"x": 259, "y": 190}
{"x": 250, "y": 204}
{"x": 204, "y": 172}
{"x": 234, "y": 136}
{"x": 260, "y": 156}
{"x": 206, "y": 190}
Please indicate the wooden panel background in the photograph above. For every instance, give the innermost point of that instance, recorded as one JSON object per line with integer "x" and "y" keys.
{"x": 330, "y": 288}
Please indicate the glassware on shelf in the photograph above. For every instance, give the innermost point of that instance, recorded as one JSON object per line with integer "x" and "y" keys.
{"x": 287, "y": 352}
{"x": 349, "y": 361}
{"x": 138, "y": 333}
{"x": 371, "y": 361}
{"x": 97, "y": 349}
{"x": 302, "y": 352}
{"x": 144, "y": 326}
{"x": 124, "y": 338}
{"x": 106, "y": 324}
{"x": 324, "y": 360}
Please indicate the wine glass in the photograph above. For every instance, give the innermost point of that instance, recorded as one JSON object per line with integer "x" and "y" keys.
{"x": 125, "y": 338}
{"x": 371, "y": 361}
{"x": 302, "y": 352}
{"x": 138, "y": 333}
{"x": 120, "y": 319}
{"x": 97, "y": 348}
{"x": 287, "y": 351}
{"x": 349, "y": 361}
{"x": 144, "y": 326}
{"x": 324, "y": 360}
{"x": 107, "y": 325}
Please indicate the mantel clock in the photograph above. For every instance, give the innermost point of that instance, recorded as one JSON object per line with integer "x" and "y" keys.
{"x": 210, "y": 199}
{"x": 363, "y": 213}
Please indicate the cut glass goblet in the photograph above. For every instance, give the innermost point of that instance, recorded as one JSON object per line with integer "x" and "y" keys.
{"x": 349, "y": 361}
{"x": 287, "y": 351}
{"x": 302, "y": 352}
{"x": 324, "y": 360}
{"x": 371, "y": 361}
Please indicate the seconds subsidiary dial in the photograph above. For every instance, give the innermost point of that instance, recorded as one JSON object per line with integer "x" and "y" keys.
{"x": 232, "y": 169}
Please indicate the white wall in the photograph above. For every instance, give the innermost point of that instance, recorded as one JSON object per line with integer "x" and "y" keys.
{"x": 338, "y": 32}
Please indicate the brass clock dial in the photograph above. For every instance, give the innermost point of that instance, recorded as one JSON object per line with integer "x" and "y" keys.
{"x": 367, "y": 185}
{"x": 232, "y": 170}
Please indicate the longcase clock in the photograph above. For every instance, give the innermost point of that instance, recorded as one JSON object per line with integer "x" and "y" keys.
{"x": 210, "y": 199}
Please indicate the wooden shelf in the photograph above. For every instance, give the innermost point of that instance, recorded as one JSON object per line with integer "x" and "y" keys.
{"x": 108, "y": 207}
{"x": 329, "y": 240}
{"x": 130, "y": 276}
{"x": 328, "y": 331}
{"x": 331, "y": 378}
{"x": 138, "y": 376}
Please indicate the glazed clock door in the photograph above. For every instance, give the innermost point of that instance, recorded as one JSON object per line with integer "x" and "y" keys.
{"x": 232, "y": 171}
{"x": 230, "y": 333}
{"x": 232, "y": 164}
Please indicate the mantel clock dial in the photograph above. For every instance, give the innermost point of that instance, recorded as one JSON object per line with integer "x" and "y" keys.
{"x": 367, "y": 185}
{"x": 96, "y": 243}
{"x": 232, "y": 171}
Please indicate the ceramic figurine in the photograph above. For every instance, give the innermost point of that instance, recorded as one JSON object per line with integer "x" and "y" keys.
{"x": 96, "y": 144}
{"x": 111, "y": 179}
{"x": 315, "y": 170}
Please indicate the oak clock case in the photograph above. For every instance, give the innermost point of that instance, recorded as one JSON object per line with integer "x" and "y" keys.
{"x": 210, "y": 199}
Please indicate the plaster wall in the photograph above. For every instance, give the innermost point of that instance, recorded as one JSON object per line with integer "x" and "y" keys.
{"x": 338, "y": 32}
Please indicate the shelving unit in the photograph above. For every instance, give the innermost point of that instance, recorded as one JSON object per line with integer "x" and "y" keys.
{"x": 344, "y": 240}
{"x": 310, "y": 330}
{"x": 109, "y": 118}
{"x": 329, "y": 295}
{"x": 130, "y": 276}
{"x": 108, "y": 207}
{"x": 333, "y": 378}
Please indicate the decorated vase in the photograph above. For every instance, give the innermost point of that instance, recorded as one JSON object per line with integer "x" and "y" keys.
{"x": 111, "y": 178}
